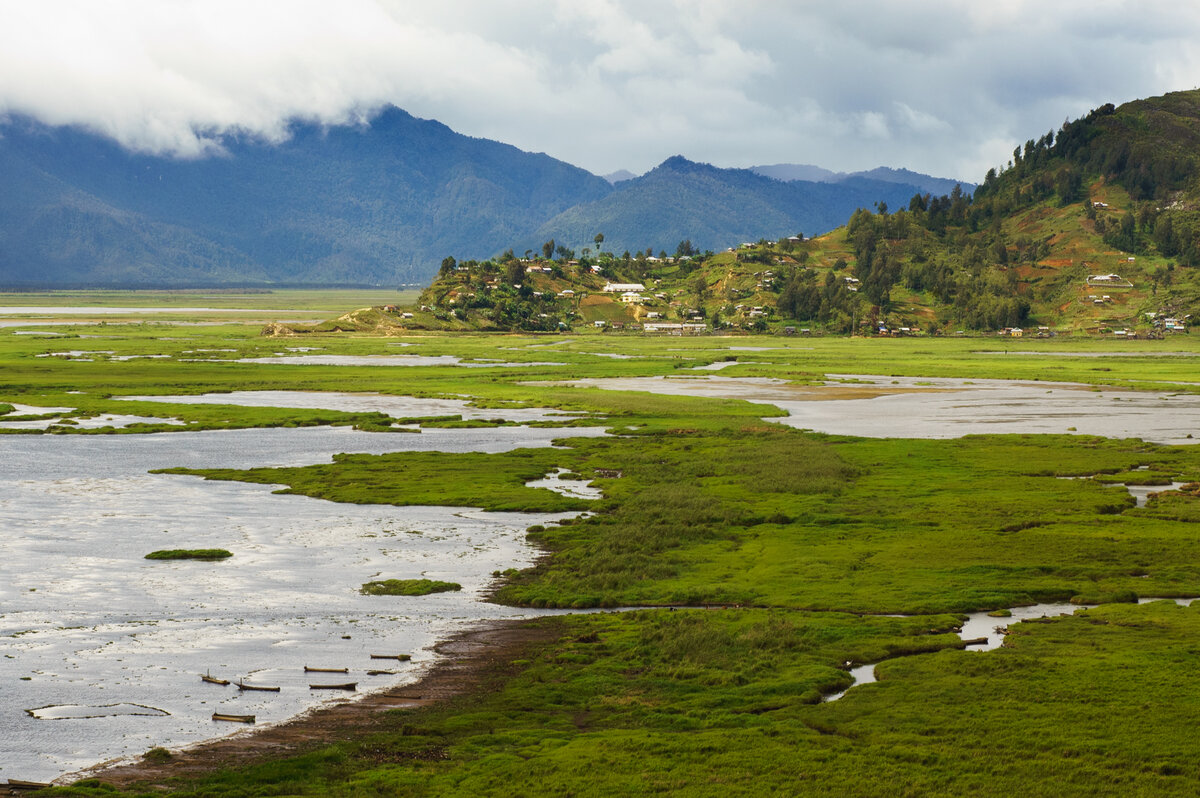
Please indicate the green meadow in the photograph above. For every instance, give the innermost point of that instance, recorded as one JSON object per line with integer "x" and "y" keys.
{"x": 763, "y": 559}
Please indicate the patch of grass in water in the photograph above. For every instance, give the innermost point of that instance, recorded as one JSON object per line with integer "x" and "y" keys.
{"x": 189, "y": 554}
{"x": 408, "y": 587}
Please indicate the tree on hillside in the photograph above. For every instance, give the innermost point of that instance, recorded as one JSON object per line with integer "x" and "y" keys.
{"x": 514, "y": 272}
{"x": 548, "y": 249}
{"x": 599, "y": 239}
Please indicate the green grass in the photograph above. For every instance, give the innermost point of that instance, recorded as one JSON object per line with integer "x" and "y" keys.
{"x": 408, "y": 587}
{"x": 189, "y": 554}
{"x": 705, "y": 502}
{"x": 726, "y": 703}
{"x": 493, "y": 482}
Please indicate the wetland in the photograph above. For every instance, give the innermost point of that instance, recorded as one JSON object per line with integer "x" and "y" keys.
{"x": 809, "y": 519}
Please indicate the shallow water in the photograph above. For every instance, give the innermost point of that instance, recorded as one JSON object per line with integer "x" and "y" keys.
{"x": 395, "y": 406}
{"x": 92, "y": 422}
{"x": 1141, "y": 493}
{"x": 52, "y": 310}
{"x": 89, "y": 628}
{"x": 917, "y": 407}
{"x": 384, "y": 360}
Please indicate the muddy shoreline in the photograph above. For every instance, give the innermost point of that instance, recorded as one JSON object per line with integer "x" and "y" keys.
{"x": 466, "y": 661}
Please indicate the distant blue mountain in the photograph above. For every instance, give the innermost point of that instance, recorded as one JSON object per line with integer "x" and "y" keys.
{"x": 371, "y": 204}
{"x": 928, "y": 184}
{"x": 714, "y": 208}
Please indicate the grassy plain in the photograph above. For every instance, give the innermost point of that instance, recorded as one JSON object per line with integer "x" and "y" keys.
{"x": 804, "y": 538}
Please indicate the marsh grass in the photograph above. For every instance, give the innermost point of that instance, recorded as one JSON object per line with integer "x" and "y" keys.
{"x": 189, "y": 554}
{"x": 705, "y": 503}
{"x": 727, "y": 702}
{"x": 407, "y": 587}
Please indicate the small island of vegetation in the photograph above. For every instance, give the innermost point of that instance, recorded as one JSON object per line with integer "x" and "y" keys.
{"x": 407, "y": 587}
{"x": 189, "y": 554}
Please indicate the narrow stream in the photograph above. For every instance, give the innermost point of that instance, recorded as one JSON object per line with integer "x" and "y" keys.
{"x": 990, "y": 629}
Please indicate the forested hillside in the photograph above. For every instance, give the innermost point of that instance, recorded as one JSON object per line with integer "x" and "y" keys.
{"x": 1091, "y": 228}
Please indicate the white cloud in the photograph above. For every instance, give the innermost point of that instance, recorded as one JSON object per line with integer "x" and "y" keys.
{"x": 940, "y": 86}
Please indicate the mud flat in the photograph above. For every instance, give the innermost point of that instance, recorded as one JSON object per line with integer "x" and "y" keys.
{"x": 88, "y": 623}
{"x": 918, "y": 407}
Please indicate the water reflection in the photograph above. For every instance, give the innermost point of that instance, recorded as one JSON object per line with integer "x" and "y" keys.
{"x": 86, "y": 622}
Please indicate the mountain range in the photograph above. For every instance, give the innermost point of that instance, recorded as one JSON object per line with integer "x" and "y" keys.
{"x": 380, "y": 203}
{"x": 815, "y": 174}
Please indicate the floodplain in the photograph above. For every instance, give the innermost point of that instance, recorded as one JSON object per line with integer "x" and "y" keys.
{"x": 767, "y": 561}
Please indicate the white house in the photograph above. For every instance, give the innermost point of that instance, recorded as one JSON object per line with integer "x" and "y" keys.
{"x": 623, "y": 288}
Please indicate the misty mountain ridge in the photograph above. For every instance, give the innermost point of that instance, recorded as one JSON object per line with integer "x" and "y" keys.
{"x": 619, "y": 176}
{"x": 370, "y": 204}
{"x": 787, "y": 172}
{"x": 713, "y": 208}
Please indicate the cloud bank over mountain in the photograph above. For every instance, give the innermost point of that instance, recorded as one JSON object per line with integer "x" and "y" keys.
{"x": 946, "y": 87}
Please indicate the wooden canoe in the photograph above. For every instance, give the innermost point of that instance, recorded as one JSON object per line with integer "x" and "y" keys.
{"x": 346, "y": 686}
{"x": 307, "y": 669}
{"x": 401, "y": 657}
{"x": 381, "y": 673}
{"x": 204, "y": 677}
{"x": 233, "y": 718}
{"x": 260, "y": 688}
{"x": 18, "y": 784}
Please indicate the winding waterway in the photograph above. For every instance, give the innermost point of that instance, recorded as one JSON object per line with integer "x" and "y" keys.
{"x": 985, "y": 632}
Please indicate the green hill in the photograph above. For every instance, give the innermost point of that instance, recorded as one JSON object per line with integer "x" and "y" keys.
{"x": 1094, "y": 228}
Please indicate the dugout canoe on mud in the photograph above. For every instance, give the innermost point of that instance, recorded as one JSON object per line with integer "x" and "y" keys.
{"x": 233, "y": 718}
{"x": 308, "y": 669}
{"x": 20, "y": 784}
{"x": 345, "y": 686}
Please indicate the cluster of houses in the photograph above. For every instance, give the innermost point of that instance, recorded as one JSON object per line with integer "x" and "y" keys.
{"x": 1168, "y": 323}
{"x": 1019, "y": 332}
{"x": 1110, "y": 280}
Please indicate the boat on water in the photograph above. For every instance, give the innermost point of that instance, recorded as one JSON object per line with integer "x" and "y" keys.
{"x": 400, "y": 657}
{"x": 346, "y": 686}
{"x": 233, "y": 718}
{"x": 308, "y": 669}
{"x": 243, "y": 686}
{"x": 381, "y": 673}
{"x": 206, "y": 677}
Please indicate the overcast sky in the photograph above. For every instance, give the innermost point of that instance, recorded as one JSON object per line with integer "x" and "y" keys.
{"x": 946, "y": 87}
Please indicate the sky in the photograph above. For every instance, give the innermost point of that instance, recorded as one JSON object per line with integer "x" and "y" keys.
{"x": 945, "y": 87}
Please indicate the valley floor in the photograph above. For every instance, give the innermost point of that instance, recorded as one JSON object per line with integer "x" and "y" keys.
{"x": 765, "y": 561}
